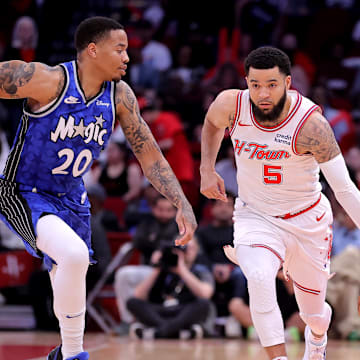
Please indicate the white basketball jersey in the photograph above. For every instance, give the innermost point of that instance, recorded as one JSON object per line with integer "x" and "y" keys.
{"x": 272, "y": 176}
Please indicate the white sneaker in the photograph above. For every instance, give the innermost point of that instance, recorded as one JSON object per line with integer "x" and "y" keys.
{"x": 195, "y": 332}
{"x": 313, "y": 351}
{"x": 230, "y": 253}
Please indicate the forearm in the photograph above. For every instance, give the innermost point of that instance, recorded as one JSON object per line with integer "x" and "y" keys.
{"x": 143, "y": 289}
{"x": 198, "y": 287}
{"x": 211, "y": 138}
{"x": 161, "y": 176}
{"x": 346, "y": 192}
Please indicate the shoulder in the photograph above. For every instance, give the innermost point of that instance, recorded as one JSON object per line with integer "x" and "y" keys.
{"x": 226, "y": 98}
{"x": 222, "y": 111}
{"x": 316, "y": 137}
{"x": 125, "y": 99}
{"x": 121, "y": 88}
{"x": 49, "y": 82}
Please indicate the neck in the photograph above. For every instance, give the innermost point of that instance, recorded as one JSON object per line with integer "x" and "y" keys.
{"x": 91, "y": 85}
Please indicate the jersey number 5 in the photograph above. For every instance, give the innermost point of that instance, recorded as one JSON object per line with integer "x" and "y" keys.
{"x": 79, "y": 166}
{"x": 272, "y": 174}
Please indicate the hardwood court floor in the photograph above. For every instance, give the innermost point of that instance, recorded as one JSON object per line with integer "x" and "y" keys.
{"x": 35, "y": 346}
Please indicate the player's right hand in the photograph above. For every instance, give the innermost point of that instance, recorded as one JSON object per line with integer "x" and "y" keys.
{"x": 212, "y": 186}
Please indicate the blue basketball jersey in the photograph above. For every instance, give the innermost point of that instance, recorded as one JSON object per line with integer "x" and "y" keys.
{"x": 55, "y": 146}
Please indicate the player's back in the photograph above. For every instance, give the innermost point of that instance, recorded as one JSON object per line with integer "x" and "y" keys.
{"x": 56, "y": 145}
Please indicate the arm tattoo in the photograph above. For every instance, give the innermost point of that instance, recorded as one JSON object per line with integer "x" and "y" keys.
{"x": 135, "y": 128}
{"x": 231, "y": 120}
{"x": 146, "y": 149}
{"x": 129, "y": 99}
{"x": 317, "y": 138}
{"x": 139, "y": 136}
{"x": 164, "y": 180}
{"x": 14, "y": 74}
{"x": 61, "y": 83}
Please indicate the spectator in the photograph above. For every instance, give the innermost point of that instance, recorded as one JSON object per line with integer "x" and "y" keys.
{"x": 345, "y": 232}
{"x": 24, "y": 40}
{"x": 140, "y": 209}
{"x": 340, "y": 120}
{"x": 150, "y": 236}
{"x": 119, "y": 176}
{"x": 23, "y": 46}
{"x": 169, "y": 133}
{"x": 107, "y": 219}
{"x": 346, "y": 266}
{"x": 174, "y": 297}
{"x": 154, "y": 53}
{"x": 230, "y": 284}
{"x": 226, "y": 168}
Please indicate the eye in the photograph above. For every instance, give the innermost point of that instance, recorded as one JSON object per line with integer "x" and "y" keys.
{"x": 273, "y": 85}
{"x": 255, "y": 86}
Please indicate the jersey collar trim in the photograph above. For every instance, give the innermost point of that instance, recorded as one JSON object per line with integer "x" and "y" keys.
{"x": 284, "y": 122}
{"x": 80, "y": 89}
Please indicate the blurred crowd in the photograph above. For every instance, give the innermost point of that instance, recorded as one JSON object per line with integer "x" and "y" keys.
{"x": 182, "y": 54}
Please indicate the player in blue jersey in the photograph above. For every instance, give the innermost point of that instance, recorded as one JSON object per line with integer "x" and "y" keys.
{"x": 67, "y": 120}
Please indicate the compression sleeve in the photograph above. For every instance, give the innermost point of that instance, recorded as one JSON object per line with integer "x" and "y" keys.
{"x": 346, "y": 192}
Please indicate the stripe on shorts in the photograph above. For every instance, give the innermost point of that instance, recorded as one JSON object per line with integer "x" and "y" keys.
{"x": 17, "y": 213}
{"x": 307, "y": 290}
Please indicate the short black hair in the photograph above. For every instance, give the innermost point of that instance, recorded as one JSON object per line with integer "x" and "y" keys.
{"x": 267, "y": 57}
{"x": 93, "y": 30}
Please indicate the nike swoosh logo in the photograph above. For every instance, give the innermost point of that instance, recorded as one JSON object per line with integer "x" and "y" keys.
{"x": 318, "y": 218}
{"x": 72, "y": 100}
{"x": 71, "y": 317}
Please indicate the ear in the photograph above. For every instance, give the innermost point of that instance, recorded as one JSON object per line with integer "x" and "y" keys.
{"x": 91, "y": 50}
{"x": 288, "y": 82}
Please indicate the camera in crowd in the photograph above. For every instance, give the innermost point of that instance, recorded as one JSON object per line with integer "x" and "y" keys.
{"x": 169, "y": 257}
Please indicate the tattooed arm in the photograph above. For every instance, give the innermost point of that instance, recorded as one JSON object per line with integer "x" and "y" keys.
{"x": 317, "y": 138}
{"x": 221, "y": 115}
{"x": 35, "y": 81}
{"x": 153, "y": 163}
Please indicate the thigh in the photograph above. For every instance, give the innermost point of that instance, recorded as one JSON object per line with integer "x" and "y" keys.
{"x": 256, "y": 231}
{"x": 310, "y": 283}
{"x": 259, "y": 256}
{"x": 57, "y": 240}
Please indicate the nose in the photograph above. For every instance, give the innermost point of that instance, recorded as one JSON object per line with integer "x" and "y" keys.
{"x": 264, "y": 92}
{"x": 126, "y": 58}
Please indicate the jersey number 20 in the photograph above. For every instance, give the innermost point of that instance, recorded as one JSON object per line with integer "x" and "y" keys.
{"x": 79, "y": 166}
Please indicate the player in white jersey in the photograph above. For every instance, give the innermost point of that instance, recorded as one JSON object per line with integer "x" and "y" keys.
{"x": 281, "y": 218}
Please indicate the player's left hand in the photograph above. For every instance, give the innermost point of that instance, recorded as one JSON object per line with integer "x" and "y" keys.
{"x": 187, "y": 224}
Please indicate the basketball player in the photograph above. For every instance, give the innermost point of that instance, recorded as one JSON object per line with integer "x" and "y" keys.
{"x": 281, "y": 218}
{"x": 67, "y": 119}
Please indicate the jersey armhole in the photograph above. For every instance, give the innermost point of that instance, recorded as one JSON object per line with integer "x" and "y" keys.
{"x": 45, "y": 110}
{"x": 300, "y": 125}
{"x": 237, "y": 112}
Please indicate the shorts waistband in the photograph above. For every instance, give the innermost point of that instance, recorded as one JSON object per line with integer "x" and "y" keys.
{"x": 291, "y": 215}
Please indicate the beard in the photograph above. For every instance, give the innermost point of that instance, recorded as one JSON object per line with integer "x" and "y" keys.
{"x": 271, "y": 115}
